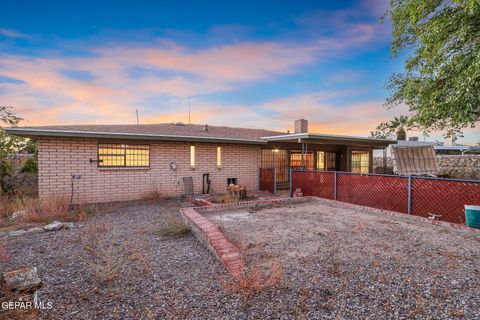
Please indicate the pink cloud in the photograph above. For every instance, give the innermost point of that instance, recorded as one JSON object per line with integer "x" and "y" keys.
{"x": 9, "y": 33}
{"x": 111, "y": 94}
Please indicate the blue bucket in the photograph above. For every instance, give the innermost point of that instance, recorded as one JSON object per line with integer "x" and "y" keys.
{"x": 472, "y": 216}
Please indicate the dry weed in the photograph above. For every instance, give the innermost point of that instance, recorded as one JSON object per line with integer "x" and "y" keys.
{"x": 254, "y": 280}
{"x": 103, "y": 251}
{"x": 154, "y": 195}
{"x": 300, "y": 308}
{"x": 418, "y": 310}
{"x": 7, "y": 206}
{"x": 137, "y": 253}
{"x": 235, "y": 238}
{"x": 35, "y": 210}
{"x": 173, "y": 227}
{"x": 4, "y": 254}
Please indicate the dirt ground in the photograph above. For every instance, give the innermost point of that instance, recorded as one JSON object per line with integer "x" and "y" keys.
{"x": 355, "y": 264}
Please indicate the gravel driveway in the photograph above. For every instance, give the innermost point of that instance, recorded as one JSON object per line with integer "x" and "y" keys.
{"x": 337, "y": 263}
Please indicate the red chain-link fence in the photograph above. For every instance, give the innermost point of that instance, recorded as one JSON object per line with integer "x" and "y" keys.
{"x": 267, "y": 180}
{"x": 414, "y": 195}
{"x": 314, "y": 183}
{"x": 382, "y": 192}
{"x": 443, "y": 197}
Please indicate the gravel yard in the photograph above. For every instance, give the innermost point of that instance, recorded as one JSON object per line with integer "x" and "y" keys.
{"x": 336, "y": 262}
{"x": 183, "y": 280}
{"x": 350, "y": 264}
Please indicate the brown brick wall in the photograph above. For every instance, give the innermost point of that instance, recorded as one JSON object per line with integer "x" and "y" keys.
{"x": 59, "y": 158}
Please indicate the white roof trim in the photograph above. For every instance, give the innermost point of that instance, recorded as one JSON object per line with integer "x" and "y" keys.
{"x": 323, "y": 136}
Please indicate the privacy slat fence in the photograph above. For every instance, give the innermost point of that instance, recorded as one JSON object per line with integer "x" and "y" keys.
{"x": 419, "y": 196}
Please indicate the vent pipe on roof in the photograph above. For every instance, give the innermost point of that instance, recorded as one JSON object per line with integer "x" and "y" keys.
{"x": 301, "y": 126}
{"x": 205, "y": 128}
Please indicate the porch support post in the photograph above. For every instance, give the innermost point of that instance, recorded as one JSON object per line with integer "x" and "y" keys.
{"x": 303, "y": 156}
{"x": 334, "y": 185}
{"x": 290, "y": 182}
{"x": 306, "y": 153}
{"x": 370, "y": 161}
{"x": 409, "y": 209}
{"x": 384, "y": 160}
{"x": 274, "y": 180}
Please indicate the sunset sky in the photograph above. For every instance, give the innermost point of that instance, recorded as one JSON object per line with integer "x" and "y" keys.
{"x": 259, "y": 64}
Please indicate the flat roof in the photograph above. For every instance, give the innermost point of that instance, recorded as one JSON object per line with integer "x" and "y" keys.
{"x": 329, "y": 138}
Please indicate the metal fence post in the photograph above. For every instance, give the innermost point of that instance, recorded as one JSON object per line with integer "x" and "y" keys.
{"x": 409, "y": 195}
{"x": 274, "y": 180}
{"x": 334, "y": 185}
{"x": 290, "y": 182}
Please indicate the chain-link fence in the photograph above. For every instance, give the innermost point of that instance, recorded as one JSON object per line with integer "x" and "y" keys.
{"x": 421, "y": 196}
{"x": 268, "y": 180}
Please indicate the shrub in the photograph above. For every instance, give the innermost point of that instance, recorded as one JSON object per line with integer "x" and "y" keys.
{"x": 30, "y": 166}
{"x": 5, "y": 170}
{"x": 173, "y": 227}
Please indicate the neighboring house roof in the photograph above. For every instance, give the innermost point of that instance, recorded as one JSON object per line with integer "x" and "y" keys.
{"x": 189, "y": 132}
{"x": 438, "y": 146}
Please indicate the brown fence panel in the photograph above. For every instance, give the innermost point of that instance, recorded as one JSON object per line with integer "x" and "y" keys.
{"x": 443, "y": 197}
{"x": 381, "y": 192}
{"x": 314, "y": 183}
{"x": 267, "y": 179}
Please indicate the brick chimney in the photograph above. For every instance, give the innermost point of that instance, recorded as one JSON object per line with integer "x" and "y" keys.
{"x": 301, "y": 126}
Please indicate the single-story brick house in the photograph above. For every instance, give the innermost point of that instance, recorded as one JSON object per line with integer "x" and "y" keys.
{"x": 103, "y": 163}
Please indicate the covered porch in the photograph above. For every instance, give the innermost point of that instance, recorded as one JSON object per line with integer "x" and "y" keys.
{"x": 310, "y": 151}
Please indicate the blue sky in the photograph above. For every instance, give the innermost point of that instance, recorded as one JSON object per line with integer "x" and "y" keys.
{"x": 247, "y": 63}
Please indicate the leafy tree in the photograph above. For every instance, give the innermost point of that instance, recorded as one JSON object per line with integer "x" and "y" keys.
{"x": 9, "y": 143}
{"x": 30, "y": 147}
{"x": 394, "y": 128}
{"x": 441, "y": 81}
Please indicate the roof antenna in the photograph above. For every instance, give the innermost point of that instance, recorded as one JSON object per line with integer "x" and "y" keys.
{"x": 137, "y": 117}
{"x": 188, "y": 110}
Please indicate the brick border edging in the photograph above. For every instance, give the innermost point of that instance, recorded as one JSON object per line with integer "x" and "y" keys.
{"x": 230, "y": 256}
{"x": 216, "y": 242}
{"x": 397, "y": 214}
{"x": 245, "y": 204}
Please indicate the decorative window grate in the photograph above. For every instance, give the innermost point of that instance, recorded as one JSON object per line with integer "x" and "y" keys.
{"x": 123, "y": 155}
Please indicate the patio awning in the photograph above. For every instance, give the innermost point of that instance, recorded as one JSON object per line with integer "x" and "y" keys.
{"x": 318, "y": 138}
